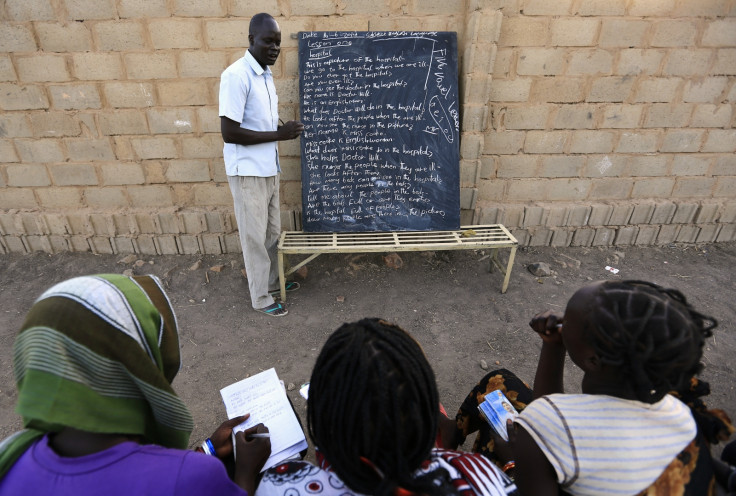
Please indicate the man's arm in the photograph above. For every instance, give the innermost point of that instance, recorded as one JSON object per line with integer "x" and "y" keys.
{"x": 233, "y": 133}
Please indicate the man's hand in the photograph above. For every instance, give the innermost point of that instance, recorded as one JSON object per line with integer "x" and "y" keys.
{"x": 290, "y": 130}
{"x": 250, "y": 456}
{"x": 548, "y": 325}
{"x": 221, "y": 439}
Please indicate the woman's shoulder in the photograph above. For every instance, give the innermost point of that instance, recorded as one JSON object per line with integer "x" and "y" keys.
{"x": 300, "y": 477}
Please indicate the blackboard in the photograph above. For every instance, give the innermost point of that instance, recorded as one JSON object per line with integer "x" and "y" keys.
{"x": 380, "y": 149}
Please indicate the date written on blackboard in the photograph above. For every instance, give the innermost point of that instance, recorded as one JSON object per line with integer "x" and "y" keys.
{"x": 380, "y": 149}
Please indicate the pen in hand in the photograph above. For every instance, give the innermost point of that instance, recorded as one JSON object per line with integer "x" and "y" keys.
{"x": 258, "y": 434}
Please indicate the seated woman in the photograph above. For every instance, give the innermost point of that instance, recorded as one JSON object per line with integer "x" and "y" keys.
{"x": 635, "y": 343}
{"x": 94, "y": 362}
{"x": 372, "y": 413}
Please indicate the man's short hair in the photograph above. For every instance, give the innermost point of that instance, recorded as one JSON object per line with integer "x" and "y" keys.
{"x": 257, "y": 21}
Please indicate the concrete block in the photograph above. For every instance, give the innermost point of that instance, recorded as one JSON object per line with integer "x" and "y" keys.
{"x": 559, "y": 90}
{"x": 720, "y": 140}
{"x": 117, "y": 36}
{"x": 143, "y": 8}
{"x": 121, "y": 173}
{"x": 97, "y": 66}
{"x": 690, "y": 165}
{"x": 158, "y": 65}
{"x": 166, "y": 245}
{"x": 575, "y": 117}
{"x": 657, "y": 89}
{"x": 600, "y": 214}
{"x": 687, "y": 234}
{"x": 708, "y": 213}
{"x": 724, "y": 165}
{"x": 533, "y": 216}
{"x": 568, "y": 189}
{"x": 622, "y": 116}
{"x": 709, "y": 115}
{"x": 524, "y": 31}
{"x": 601, "y": 8}
{"x": 726, "y": 233}
{"x": 146, "y": 223}
{"x": 210, "y": 146}
{"x": 685, "y": 213}
{"x": 647, "y": 8}
{"x": 642, "y": 213}
{"x": 647, "y": 235}
{"x": 122, "y": 122}
{"x": 80, "y": 10}
{"x": 125, "y": 94}
{"x": 720, "y": 32}
{"x": 231, "y": 243}
{"x": 31, "y": 175}
{"x": 54, "y": 124}
{"x": 611, "y": 188}
{"x": 682, "y": 140}
{"x": 728, "y": 213}
{"x": 556, "y": 216}
{"x": 26, "y": 97}
{"x": 218, "y": 194}
{"x": 154, "y": 148}
{"x": 510, "y": 90}
{"x": 194, "y": 64}
{"x": 663, "y": 213}
{"x": 610, "y": 89}
{"x": 102, "y": 225}
{"x": 561, "y": 238}
{"x": 172, "y": 120}
{"x": 639, "y": 61}
{"x": 527, "y": 117}
{"x": 123, "y": 245}
{"x": 592, "y": 142}
{"x": 667, "y": 234}
{"x": 187, "y": 171}
{"x": 7, "y": 153}
{"x": 705, "y": 90}
{"x": 511, "y": 216}
{"x": 75, "y": 96}
{"x": 178, "y": 33}
{"x": 535, "y": 61}
{"x": 583, "y": 237}
{"x": 649, "y": 165}
{"x": 82, "y": 149}
{"x": 504, "y": 142}
{"x": 585, "y": 62}
{"x": 626, "y": 236}
{"x": 688, "y": 62}
{"x": 708, "y": 233}
{"x": 106, "y": 198}
{"x": 184, "y": 93}
{"x": 604, "y": 237}
{"x": 573, "y": 31}
{"x": 29, "y": 10}
{"x": 517, "y": 166}
{"x": 660, "y": 187}
{"x": 188, "y": 245}
{"x": 79, "y": 244}
{"x": 208, "y": 119}
{"x": 502, "y": 65}
{"x": 562, "y": 166}
{"x": 101, "y": 245}
{"x": 578, "y": 215}
{"x": 623, "y": 33}
{"x": 638, "y": 142}
{"x": 694, "y": 187}
{"x": 150, "y": 196}
{"x": 199, "y": 8}
{"x": 539, "y": 236}
{"x": 40, "y": 150}
{"x": 211, "y": 244}
{"x": 668, "y": 115}
{"x": 545, "y": 141}
{"x": 707, "y": 8}
{"x": 16, "y": 38}
{"x": 15, "y": 125}
{"x": 42, "y": 68}
{"x": 522, "y": 236}
{"x": 674, "y": 33}
{"x": 38, "y": 244}
{"x": 63, "y": 38}
{"x": 545, "y": 8}
{"x": 144, "y": 245}
{"x": 7, "y": 71}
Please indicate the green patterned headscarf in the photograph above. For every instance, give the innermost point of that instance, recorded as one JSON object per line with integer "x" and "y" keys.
{"x": 98, "y": 353}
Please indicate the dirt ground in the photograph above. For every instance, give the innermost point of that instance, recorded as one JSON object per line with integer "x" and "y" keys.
{"x": 447, "y": 300}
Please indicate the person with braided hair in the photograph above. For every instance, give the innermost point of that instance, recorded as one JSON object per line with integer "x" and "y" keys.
{"x": 373, "y": 412}
{"x": 639, "y": 346}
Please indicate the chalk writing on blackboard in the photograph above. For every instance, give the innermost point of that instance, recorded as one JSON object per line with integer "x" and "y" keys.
{"x": 380, "y": 148}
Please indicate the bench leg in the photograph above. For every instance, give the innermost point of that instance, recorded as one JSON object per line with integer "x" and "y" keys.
{"x": 509, "y": 265}
{"x": 494, "y": 258}
{"x": 282, "y": 277}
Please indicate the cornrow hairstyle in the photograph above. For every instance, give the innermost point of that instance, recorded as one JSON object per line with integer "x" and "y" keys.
{"x": 652, "y": 334}
{"x": 373, "y": 409}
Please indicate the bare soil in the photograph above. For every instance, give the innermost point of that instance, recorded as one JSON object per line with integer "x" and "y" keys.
{"x": 447, "y": 300}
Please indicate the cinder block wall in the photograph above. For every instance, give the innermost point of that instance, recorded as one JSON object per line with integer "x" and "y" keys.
{"x": 585, "y": 122}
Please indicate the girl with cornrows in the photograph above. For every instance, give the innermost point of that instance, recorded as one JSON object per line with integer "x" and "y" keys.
{"x": 372, "y": 413}
{"x": 637, "y": 344}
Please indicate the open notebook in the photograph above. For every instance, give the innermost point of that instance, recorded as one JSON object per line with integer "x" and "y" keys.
{"x": 264, "y": 397}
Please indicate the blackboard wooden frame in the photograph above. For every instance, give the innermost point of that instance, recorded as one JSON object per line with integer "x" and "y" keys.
{"x": 381, "y": 146}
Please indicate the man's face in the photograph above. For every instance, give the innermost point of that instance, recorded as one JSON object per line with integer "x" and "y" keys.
{"x": 265, "y": 42}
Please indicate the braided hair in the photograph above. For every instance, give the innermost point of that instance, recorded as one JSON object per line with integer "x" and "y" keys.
{"x": 373, "y": 409}
{"x": 650, "y": 333}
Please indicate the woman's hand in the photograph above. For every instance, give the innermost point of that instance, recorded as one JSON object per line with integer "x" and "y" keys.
{"x": 250, "y": 456}
{"x": 221, "y": 439}
{"x": 548, "y": 325}
{"x": 504, "y": 450}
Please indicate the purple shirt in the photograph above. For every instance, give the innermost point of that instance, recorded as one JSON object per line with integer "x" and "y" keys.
{"x": 123, "y": 470}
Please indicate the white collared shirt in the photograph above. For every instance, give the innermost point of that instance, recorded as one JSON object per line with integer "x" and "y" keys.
{"x": 248, "y": 96}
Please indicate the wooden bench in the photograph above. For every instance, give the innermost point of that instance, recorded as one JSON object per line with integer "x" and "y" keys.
{"x": 492, "y": 236}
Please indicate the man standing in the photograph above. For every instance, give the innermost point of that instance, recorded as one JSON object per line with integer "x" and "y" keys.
{"x": 249, "y": 121}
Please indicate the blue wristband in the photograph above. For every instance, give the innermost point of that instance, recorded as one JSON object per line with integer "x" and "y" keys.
{"x": 210, "y": 446}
